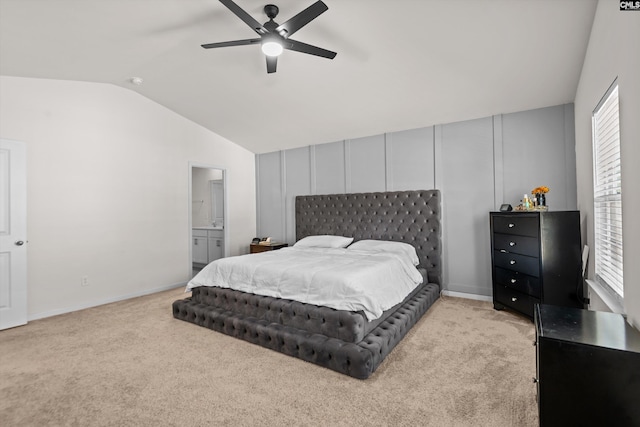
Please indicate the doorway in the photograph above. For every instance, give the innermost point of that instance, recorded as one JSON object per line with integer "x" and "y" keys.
{"x": 13, "y": 234}
{"x": 208, "y": 220}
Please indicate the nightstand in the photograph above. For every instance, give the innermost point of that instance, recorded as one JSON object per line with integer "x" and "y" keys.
{"x": 256, "y": 248}
{"x": 588, "y": 368}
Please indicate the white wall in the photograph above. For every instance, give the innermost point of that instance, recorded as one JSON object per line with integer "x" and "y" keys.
{"x": 107, "y": 178}
{"x": 614, "y": 51}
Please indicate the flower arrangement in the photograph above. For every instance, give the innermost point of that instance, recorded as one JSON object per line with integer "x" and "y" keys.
{"x": 540, "y": 198}
{"x": 540, "y": 190}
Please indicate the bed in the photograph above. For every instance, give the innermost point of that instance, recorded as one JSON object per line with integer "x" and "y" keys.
{"x": 346, "y": 341}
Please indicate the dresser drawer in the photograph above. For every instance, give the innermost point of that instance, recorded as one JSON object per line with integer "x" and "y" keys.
{"x": 523, "y": 245}
{"x": 517, "y": 300}
{"x": 518, "y": 281}
{"x": 515, "y": 224}
{"x": 514, "y": 262}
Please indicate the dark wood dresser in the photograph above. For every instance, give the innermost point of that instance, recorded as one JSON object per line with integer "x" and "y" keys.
{"x": 536, "y": 258}
{"x": 587, "y": 367}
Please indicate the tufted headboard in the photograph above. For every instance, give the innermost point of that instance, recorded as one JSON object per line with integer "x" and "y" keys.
{"x": 405, "y": 216}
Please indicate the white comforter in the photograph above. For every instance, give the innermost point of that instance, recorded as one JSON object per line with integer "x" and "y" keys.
{"x": 339, "y": 278}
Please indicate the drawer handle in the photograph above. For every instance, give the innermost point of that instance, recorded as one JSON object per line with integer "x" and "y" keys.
{"x": 535, "y": 380}
{"x": 511, "y": 225}
{"x": 513, "y": 280}
{"x": 514, "y": 299}
{"x": 513, "y": 261}
{"x": 512, "y": 243}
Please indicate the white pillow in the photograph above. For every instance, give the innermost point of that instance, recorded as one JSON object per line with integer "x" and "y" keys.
{"x": 324, "y": 241}
{"x": 403, "y": 249}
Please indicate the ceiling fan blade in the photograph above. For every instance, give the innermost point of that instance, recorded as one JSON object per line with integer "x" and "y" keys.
{"x": 307, "y": 48}
{"x": 248, "y": 19}
{"x": 272, "y": 62}
{"x": 301, "y": 19}
{"x": 231, "y": 43}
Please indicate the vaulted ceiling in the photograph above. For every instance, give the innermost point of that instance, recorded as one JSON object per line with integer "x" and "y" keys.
{"x": 401, "y": 64}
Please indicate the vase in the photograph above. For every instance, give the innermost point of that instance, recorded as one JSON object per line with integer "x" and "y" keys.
{"x": 542, "y": 199}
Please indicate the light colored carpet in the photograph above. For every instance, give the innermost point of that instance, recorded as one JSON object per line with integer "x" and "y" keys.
{"x": 132, "y": 364}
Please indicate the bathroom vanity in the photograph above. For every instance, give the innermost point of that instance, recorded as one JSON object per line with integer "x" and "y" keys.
{"x": 207, "y": 245}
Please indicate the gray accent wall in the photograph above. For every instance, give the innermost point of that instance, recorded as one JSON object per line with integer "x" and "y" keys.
{"x": 477, "y": 164}
{"x": 465, "y": 175}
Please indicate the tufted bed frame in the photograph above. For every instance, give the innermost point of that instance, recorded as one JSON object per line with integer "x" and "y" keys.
{"x": 339, "y": 340}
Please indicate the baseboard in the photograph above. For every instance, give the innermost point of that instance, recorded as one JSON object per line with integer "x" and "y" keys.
{"x": 467, "y": 296}
{"x": 97, "y": 303}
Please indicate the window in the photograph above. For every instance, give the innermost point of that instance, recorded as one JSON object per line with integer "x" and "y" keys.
{"x": 607, "y": 192}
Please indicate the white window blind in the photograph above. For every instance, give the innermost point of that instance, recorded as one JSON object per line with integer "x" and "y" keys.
{"x": 608, "y": 192}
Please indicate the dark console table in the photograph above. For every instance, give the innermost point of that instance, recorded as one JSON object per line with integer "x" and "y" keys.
{"x": 588, "y": 368}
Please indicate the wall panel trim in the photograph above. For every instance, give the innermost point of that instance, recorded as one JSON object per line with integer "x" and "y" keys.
{"x": 347, "y": 165}
{"x": 438, "y": 176}
{"x": 283, "y": 192}
{"x": 570, "y": 181}
{"x": 438, "y": 179}
{"x": 258, "y": 194}
{"x": 312, "y": 168}
{"x": 388, "y": 168}
{"x": 498, "y": 162}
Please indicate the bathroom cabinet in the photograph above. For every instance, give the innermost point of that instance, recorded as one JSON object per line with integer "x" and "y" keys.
{"x": 207, "y": 245}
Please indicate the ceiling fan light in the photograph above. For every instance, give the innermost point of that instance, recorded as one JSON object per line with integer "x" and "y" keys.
{"x": 272, "y": 48}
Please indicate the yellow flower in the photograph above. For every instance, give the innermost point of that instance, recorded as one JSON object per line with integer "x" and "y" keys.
{"x": 539, "y": 190}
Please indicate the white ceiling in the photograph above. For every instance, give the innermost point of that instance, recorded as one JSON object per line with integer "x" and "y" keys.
{"x": 401, "y": 64}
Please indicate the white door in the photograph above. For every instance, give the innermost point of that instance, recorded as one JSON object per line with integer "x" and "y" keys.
{"x": 13, "y": 234}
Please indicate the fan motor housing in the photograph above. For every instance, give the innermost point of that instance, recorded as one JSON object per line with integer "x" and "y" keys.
{"x": 271, "y": 10}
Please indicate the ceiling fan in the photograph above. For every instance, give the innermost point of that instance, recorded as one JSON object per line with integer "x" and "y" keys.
{"x": 274, "y": 37}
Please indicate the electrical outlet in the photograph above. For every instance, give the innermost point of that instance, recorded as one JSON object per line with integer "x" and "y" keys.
{"x": 84, "y": 281}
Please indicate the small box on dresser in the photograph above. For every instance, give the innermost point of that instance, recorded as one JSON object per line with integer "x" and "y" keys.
{"x": 536, "y": 258}
{"x": 587, "y": 368}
